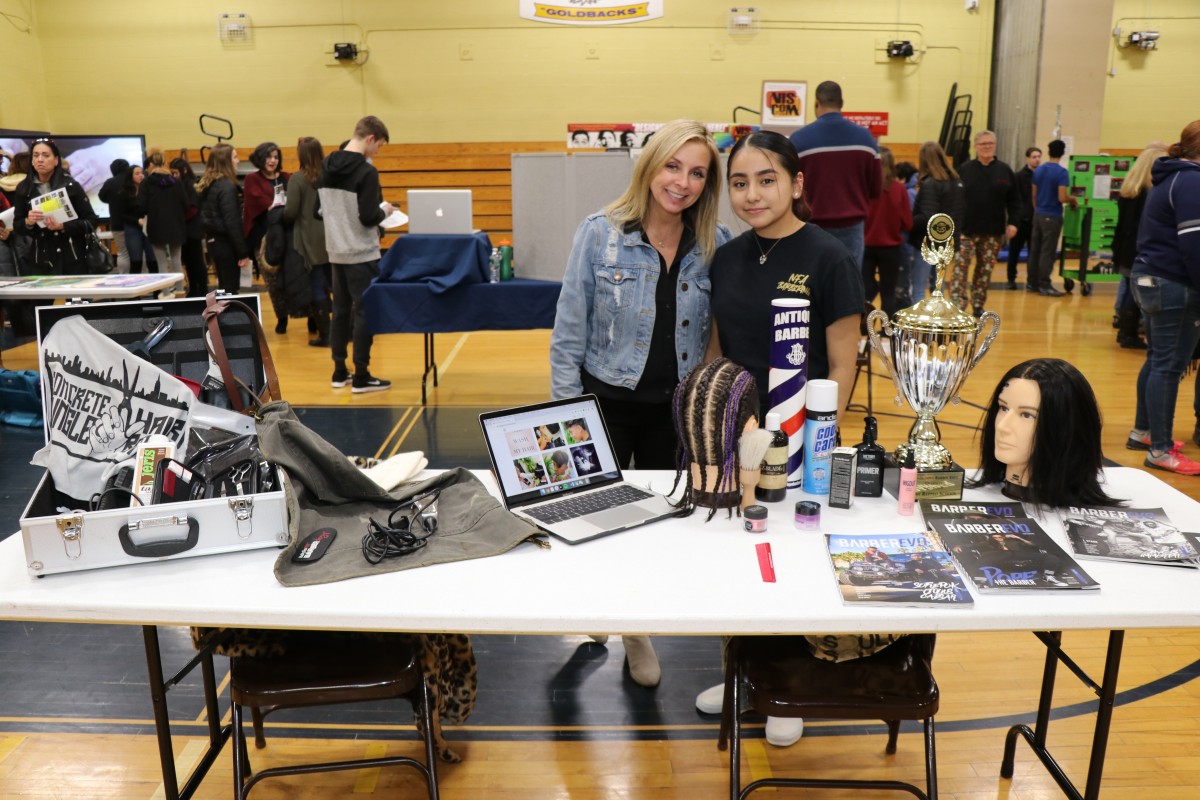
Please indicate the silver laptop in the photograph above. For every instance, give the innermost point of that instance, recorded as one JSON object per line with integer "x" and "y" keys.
{"x": 440, "y": 211}
{"x": 556, "y": 468}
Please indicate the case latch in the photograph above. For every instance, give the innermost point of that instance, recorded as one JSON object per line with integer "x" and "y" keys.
{"x": 243, "y": 513}
{"x": 70, "y": 528}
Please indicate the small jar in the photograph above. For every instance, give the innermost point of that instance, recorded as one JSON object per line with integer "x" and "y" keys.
{"x": 755, "y": 519}
{"x": 808, "y": 515}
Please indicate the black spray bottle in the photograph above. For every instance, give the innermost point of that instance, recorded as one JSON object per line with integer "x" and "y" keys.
{"x": 869, "y": 463}
{"x": 772, "y": 485}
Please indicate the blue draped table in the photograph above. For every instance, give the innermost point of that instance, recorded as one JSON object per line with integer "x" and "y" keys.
{"x": 427, "y": 309}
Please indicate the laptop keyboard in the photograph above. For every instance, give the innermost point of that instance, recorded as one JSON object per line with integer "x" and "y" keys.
{"x": 573, "y": 507}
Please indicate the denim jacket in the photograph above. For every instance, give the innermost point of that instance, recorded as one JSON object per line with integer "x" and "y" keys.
{"x": 605, "y": 314}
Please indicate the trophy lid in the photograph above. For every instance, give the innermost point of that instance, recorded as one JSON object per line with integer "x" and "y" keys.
{"x": 935, "y": 314}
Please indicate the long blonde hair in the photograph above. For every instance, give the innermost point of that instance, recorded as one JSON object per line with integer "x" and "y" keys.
{"x": 1138, "y": 179}
{"x": 220, "y": 165}
{"x": 934, "y": 164}
{"x": 701, "y": 216}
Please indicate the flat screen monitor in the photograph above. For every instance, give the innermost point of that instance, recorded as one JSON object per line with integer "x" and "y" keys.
{"x": 89, "y": 158}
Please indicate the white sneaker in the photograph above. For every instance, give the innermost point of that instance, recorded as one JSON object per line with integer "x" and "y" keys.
{"x": 711, "y": 700}
{"x": 784, "y": 731}
{"x": 599, "y": 638}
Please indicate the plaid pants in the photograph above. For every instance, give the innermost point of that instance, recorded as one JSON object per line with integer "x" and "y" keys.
{"x": 984, "y": 250}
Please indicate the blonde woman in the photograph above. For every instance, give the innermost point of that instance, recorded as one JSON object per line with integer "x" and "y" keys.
{"x": 633, "y": 316}
{"x": 221, "y": 216}
{"x": 1134, "y": 190}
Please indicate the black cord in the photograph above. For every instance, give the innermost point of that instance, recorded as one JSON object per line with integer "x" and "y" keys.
{"x": 397, "y": 537}
{"x": 98, "y": 498}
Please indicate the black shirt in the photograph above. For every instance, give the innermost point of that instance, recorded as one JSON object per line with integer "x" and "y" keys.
{"x": 661, "y": 373}
{"x": 810, "y": 264}
{"x": 991, "y": 194}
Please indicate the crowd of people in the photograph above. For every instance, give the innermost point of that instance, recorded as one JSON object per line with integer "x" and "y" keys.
{"x": 163, "y": 219}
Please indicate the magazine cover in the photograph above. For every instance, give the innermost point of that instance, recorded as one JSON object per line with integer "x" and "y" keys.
{"x": 1006, "y": 555}
{"x": 965, "y": 509}
{"x": 904, "y": 569}
{"x": 1141, "y": 535}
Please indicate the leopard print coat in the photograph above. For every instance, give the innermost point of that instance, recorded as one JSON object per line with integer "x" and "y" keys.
{"x": 447, "y": 659}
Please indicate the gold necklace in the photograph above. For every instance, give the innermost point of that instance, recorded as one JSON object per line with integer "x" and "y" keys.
{"x": 762, "y": 258}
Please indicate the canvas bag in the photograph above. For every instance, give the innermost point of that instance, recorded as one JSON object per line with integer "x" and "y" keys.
{"x": 327, "y": 491}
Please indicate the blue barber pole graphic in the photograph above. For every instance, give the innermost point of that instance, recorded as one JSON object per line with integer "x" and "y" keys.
{"x": 788, "y": 376}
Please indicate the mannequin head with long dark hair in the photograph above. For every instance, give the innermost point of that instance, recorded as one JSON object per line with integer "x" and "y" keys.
{"x": 1041, "y": 436}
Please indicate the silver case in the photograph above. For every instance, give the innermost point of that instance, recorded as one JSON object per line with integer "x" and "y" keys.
{"x": 79, "y": 540}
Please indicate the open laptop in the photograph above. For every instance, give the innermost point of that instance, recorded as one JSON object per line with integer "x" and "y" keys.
{"x": 440, "y": 211}
{"x": 556, "y": 468}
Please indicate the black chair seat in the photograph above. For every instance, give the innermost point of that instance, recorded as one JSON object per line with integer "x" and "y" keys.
{"x": 327, "y": 669}
{"x": 783, "y": 679}
{"x": 778, "y": 676}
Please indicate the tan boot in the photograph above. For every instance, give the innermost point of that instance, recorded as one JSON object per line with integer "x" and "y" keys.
{"x": 643, "y": 662}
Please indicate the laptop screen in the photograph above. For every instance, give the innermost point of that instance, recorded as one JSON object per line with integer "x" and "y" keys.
{"x": 549, "y": 448}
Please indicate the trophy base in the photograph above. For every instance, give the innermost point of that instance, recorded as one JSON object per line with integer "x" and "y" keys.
{"x": 932, "y": 484}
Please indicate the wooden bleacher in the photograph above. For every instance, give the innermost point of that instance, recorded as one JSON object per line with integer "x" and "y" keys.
{"x": 483, "y": 167}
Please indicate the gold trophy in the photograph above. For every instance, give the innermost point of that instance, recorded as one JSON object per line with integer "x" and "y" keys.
{"x": 932, "y": 351}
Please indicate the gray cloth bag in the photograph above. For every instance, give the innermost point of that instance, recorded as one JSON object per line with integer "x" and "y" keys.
{"x": 326, "y": 491}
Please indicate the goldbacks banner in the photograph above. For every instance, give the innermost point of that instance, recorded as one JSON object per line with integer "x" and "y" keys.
{"x": 591, "y": 12}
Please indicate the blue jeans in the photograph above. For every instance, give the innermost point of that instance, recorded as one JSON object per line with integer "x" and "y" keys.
{"x": 1172, "y": 312}
{"x": 850, "y": 236}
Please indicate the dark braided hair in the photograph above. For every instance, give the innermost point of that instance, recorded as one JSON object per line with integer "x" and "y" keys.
{"x": 710, "y": 409}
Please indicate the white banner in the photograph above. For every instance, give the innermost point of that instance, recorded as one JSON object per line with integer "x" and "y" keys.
{"x": 590, "y": 12}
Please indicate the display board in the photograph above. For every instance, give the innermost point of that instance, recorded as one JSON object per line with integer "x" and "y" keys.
{"x": 1095, "y": 183}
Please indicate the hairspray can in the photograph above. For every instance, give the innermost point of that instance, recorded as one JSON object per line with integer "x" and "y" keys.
{"x": 820, "y": 434}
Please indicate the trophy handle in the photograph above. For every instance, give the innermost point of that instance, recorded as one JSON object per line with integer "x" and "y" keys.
{"x": 873, "y": 334}
{"x": 986, "y": 342}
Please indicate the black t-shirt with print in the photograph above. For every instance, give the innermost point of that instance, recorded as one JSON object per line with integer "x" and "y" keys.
{"x": 811, "y": 265}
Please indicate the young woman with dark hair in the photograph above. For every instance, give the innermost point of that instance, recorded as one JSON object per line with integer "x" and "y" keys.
{"x": 782, "y": 255}
{"x": 1041, "y": 436}
{"x": 262, "y": 191}
{"x": 221, "y": 217}
{"x": 1166, "y": 284}
{"x": 308, "y": 233}
{"x": 193, "y": 243}
{"x": 58, "y": 248}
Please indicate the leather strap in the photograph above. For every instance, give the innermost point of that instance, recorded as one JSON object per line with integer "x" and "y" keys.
{"x": 215, "y": 344}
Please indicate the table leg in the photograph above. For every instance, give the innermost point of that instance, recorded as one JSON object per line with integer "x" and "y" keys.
{"x": 430, "y": 365}
{"x": 159, "y": 687}
{"x": 1106, "y": 691}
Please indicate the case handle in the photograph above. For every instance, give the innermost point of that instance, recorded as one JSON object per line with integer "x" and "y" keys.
{"x": 163, "y": 548}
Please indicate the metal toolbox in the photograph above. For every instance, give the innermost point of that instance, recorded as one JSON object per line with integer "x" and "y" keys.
{"x": 61, "y": 537}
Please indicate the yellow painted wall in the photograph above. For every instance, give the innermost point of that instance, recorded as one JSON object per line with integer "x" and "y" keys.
{"x": 22, "y": 103}
{"x": 472, "y": 70}
{"x": 1153, "y": 94}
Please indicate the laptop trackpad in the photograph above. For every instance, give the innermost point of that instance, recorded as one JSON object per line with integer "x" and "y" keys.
{"x": 615, "y": 518}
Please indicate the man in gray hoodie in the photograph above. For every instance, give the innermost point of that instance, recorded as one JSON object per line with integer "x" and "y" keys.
{"x": 350, "y": 201}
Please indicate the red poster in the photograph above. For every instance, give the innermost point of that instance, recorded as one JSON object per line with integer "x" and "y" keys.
{"x": 874, "y": 121}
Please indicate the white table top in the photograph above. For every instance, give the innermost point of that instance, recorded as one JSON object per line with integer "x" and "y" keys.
{"x": 673, "y": 577}
{"x": 86, "y": 287}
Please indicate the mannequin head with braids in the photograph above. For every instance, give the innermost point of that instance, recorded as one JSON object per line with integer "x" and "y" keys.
{"x": 714, "y": 405}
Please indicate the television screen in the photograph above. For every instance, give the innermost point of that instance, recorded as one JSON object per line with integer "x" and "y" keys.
{"x": 89, "y": 158}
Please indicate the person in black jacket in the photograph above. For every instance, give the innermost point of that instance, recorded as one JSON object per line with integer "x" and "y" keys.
{"x": 993, "y": 208}
{"x": 165, "y": 202}
{"x": 1132, "y": 200}
{"x": 59, "y": 248}
{"x": 107, "y": 195}
{"x": 1033, "y": 160}
{"x": 193, "y": 243}
{"x": 221, "y": 216}
{"x": 939, "y": 191}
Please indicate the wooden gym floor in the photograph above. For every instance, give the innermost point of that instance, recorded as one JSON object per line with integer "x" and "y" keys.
{"x": 558, "y": 717}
